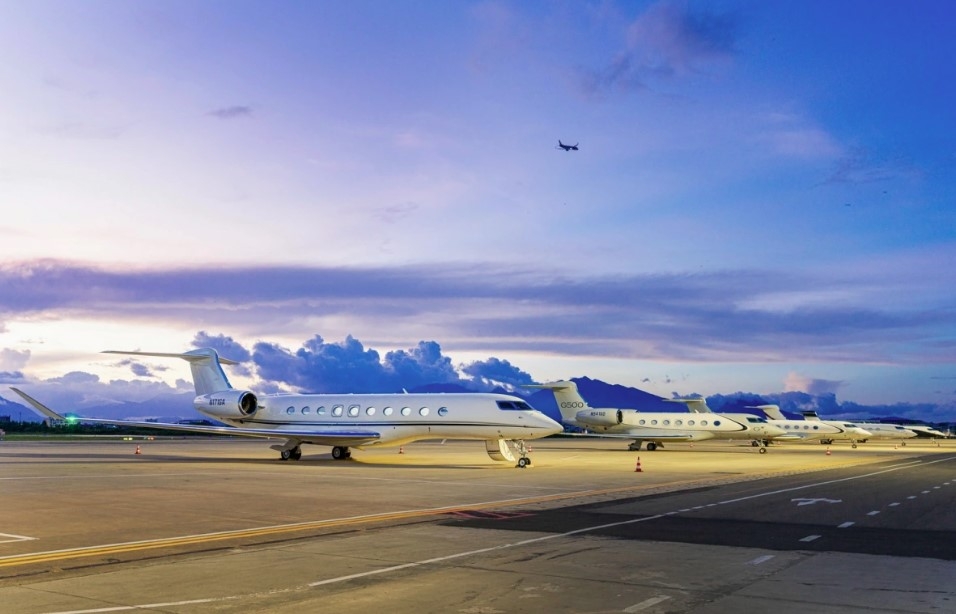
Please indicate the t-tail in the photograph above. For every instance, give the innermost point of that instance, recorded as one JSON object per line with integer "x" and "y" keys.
{"x": 570, "y": 401}
{"x": 205, "y": 363}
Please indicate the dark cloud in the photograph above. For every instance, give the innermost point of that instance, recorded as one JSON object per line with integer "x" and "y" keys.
{"x": 702, "y": 317}
{"x": 232, "y": 112}
{"x": 11, "y": 377}
{"x": 227, "y": 347}
{"x": 495, "y": 371}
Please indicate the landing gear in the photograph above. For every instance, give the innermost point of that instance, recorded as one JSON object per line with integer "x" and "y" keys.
{"x": 635, "y": 446}
{"x": 294, "y": 453}
{"x": 853, "y": 445}
{"x": 341, "y": 453}
{"x": 762, "y": 450}
{"x": 651, "y": 446}
{"x": 523, "y": 460}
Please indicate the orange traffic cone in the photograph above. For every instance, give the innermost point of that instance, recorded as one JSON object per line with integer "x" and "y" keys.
{"x": 137, "y": 451}
{"x": 828, "y": 450}
{"x": 637, "y": 468}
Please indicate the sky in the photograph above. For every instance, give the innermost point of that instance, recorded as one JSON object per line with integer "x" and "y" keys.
{"x": 762, "y": 200}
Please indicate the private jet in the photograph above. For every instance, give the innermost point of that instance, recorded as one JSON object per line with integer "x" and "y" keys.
{"x": 656, "y": 427}
{"x": 345, "y": 421}
{"x": 852, "y": 429}
{"x": 878, "y": 430}
{"x": 811, "y": 430}
{"x": 566, "y": 147}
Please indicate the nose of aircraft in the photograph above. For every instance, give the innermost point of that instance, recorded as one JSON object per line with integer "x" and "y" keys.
{"x": 546, "y": 425}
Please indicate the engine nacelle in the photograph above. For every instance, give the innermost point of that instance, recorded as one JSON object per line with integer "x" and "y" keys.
{"x": 600, "y": 417}
{"x": 227, "y": 404}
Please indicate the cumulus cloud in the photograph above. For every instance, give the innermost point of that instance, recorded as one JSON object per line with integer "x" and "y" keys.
{"x": 668, "y": 39}
{"x": 814, "y": 386}
{"x": 227, "y": 347}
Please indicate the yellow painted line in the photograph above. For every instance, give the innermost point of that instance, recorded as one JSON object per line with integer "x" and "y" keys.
{"x": 203, "y": 538}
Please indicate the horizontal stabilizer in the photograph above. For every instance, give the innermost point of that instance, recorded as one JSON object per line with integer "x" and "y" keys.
{"x": 191, "y": 357}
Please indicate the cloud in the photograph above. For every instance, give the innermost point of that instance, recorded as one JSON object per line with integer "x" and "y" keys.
{"x": 227, "y": 347}
{"x": 853, "y": 315}
{"x": 814, "y": 386}
{"x": 232, "y": 112}
{"x": 13, "y": 360}
{"x": 669, "y": 39}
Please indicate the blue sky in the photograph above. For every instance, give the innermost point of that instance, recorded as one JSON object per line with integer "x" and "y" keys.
{"x": 762, "y": 200}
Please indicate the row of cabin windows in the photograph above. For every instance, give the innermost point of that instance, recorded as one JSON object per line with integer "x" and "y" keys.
{"x": 796, "y": 427}
{"x": 642, "y": 422}
{"x": 353, "y": 411}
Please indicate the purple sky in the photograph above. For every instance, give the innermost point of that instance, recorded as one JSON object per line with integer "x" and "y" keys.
{"x": 763, "y": 199}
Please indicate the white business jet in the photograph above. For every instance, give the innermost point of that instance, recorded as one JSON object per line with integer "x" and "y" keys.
{"x": 808, "y": 430}
{"x": 853, "y": 430}
{"x": 878, "y": 430}
{"x": 656, "y": 427}
{"x": 346, "y": 421}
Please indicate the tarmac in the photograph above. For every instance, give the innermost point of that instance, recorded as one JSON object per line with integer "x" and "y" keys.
{"x": 202, "y": 525}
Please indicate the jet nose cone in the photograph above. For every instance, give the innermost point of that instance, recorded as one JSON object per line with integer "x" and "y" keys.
{"x": 546, "y": 425}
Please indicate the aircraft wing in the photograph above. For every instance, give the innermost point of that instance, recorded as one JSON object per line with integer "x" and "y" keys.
{"x": 324, "y": 437}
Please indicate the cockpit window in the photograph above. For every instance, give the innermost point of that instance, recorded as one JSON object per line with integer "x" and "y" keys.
{"x": 513, "y": 405}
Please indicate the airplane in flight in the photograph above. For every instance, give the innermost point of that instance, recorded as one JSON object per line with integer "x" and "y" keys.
{"x": 656, "y": 427}
{"x": 566, "y": 147}
{"x": 812, "y": 430}
{"x": 346, "y": 421}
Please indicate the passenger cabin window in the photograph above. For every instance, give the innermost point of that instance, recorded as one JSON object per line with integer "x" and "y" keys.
{"x": 443, "y": 411}
{"x": 354, "y": 410}
{"x": 423, "y": 411}
{"x": 406, "y": 411}
{"x": 306, "y": 410}
{"x": 337, "y": 410}
{"x": 690, "y": 422}
{"x": 320, "y": 410}
{"x": 716, "y": 422}
{"x": 387, "y": 411}
{"x": 370, "y": 411}
{"x": 290, "y": 411}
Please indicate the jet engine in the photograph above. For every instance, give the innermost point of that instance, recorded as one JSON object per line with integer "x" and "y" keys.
{"x": 227, "y": 404}
{"x": 600, "y": 417}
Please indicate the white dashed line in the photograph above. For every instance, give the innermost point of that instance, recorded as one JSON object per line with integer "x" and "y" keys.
{"x": 637, "y": 607}
{"x": 810, "y": 538}
{"x": 845, "y": 525}
{"x": 873, "y": 513}
{"x": 760, "y": 559}
{"x": 894, "y": 504}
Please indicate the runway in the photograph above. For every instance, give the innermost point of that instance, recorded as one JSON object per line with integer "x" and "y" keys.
{"x": 221, "y": 525}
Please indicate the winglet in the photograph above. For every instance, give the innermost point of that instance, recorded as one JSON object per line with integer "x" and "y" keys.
{"x": 38, "y": 406}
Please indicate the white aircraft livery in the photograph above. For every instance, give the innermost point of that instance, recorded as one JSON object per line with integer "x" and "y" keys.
{"x": 810, "y": 430}
{"x": 344, "y": 421}
{"x": 656, "y": 427}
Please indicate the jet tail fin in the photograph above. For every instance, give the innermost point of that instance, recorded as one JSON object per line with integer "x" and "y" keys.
{"x": 771, "y": 411}
{"x": 205, "y": 363}
{"x": 570, "y": 401}
{"x": 694, "y": 404}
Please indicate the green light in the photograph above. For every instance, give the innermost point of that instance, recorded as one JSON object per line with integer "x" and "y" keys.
{"x": 71, "y": 419}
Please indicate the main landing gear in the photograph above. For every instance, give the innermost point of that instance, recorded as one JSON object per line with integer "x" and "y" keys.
{"x": 635, "y": 446}
{"x": 341, "y": 453}
{"x": 290, "y": 451}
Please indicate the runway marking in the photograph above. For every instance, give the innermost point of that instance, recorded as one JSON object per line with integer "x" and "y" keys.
{"x": 760, "y": 560}
{"x": 810, "y": 538}
{"x": 201, "y": 538}
{"x": 14, "y": 538}
{"x": 3, "y": 560}
{"x": 873, "y": 513}
{"x": 894, "y": 504}
{"x": 925, "y": 492}
{"x": 637, "y": 607}
{"x": 911, "y": 497}
{"x": 845, "y": 525}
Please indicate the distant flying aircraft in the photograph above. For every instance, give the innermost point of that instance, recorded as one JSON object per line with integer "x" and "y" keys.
{"x": 342, "y": 421}
{"x": 656, "y": 427}
{"x": 566, "y": 147}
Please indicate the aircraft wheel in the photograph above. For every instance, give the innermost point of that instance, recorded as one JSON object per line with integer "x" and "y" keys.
{"x": 854, "y": 445}
{"x": 651, "y": 446}
{"x": 340, "y": 453}
{"x": 285, "y": 454}
{"x": 523, "y": 462}
{"x": 902, "y": 443}
{"x": 296, "y": 453}
{"x": 762, "y": 450}
{"x": 755, "y": 443}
